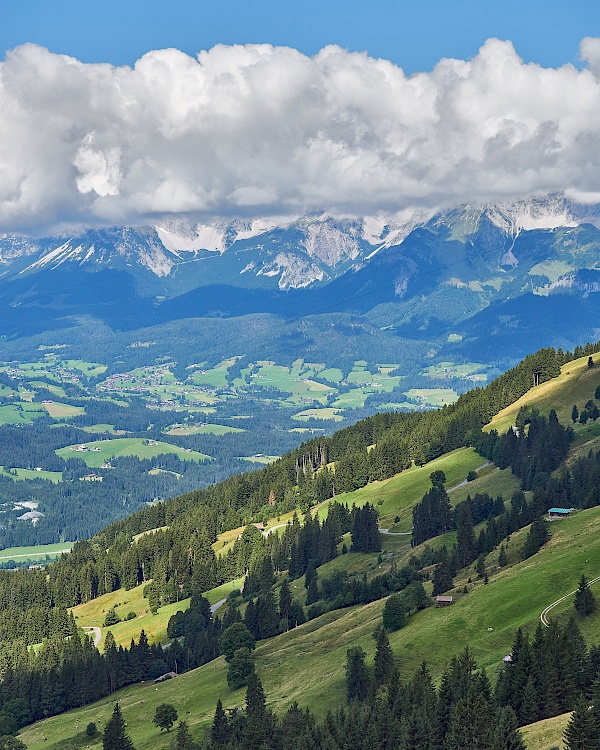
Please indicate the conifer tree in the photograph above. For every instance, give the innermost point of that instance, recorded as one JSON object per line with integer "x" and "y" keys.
{"x": 537, "y": 536}
{"x": 465, "y": 535}
{"x": 258, "y": 726}
{"x": 470, "y": 724}
{"x": 506, "y": 735}
{"x": 585, "y": 602}
{"x": 384, "y": 658}
{"x": 581, "y": 732}
{"x": 220, "y": 731}
{"x": 442, "y": 575}
{"x": 183, "y": 738}
{"x": 285, "y": 601}
{"x": 357, "y": 675}
{"x": 312, "y": 595}
{"x": 115, "y": 737}
{"x": 502, "y": 559}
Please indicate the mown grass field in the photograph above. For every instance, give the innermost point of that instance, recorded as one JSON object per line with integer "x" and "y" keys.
{"x": 433, "y": 396}
{"x": 327, "y": 413}
{"x": 203, "y": 429}
{"x": 53, "y": 476}
{"x": 21, "y": 413}
{"x": 92, "y": 613}
{"x": 57, "y": 410}
{"x": 547, "y": 733}
{"x": 307, "y": 664}
{"x": 400, "y": 493}
{"x": 575, "y": 385}
{"x": 103, "y": 450}
{"x": 36, "y": 552}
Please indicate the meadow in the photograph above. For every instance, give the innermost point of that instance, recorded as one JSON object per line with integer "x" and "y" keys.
{"x": 307, "y": 663}
{"x": 35, "y": 552}
{"x": 100, "y": 451}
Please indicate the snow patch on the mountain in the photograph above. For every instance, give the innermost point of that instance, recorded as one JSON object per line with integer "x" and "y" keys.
{"x": 204, "y": 238}
{"x": 179, "y": 236}
{"x": 373, "y": 229}
{"x": 330, "y": 243}
{"x": 548, "y": 212}
{"x": 295, "y": 272}
{"x": 54, "y": 257}
{"x": 255, "y": 228}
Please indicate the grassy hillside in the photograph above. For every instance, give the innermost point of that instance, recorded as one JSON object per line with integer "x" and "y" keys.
{"x": 307, "y": 664}
{"x": 575, "y": 385}
{"x": 92, "y": 613}
{"x": 547, "y": 733}
{"x": 397, "y": 496}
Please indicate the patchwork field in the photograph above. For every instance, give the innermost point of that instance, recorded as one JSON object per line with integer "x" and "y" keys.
{"x": 53, "y": 476}
{"x": 202, "y": 429}
{"x": 40, "y": 551}
{"x": 432, "y": 396}
{"x": 100, "y": 451}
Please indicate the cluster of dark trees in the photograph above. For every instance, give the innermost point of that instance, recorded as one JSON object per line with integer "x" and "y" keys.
{"x": 69, "y": 672}
{"x": 409, "y": 715}
{"x": 544, "y": 676}
{"x": 547, "y": 672}
{"x": 532, "y": 454}
{"x": 179, "y": 560}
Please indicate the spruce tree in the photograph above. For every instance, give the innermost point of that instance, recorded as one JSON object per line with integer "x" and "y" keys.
{"x": 442, "y": 575}
{"x": 357, "y": 675}
{"x": 506, "y": 735}
{"x": 470, "y": 724}
{"x": 258, "y": 726}
{"x": 502, "y": 559}
{"x": 115, "y": 737}
{"x": 220, "y": 731}
{"x": 285, "y": 600}
{"x": 384, "y": 658}
{"x": 465, "y": 535}
{"x": 585, "y": 602}
{"x": 312, "y": 595}
{"x": 183, "y": 738}
{"x": 581, "y": 732}
{"x": 574, "y": 413}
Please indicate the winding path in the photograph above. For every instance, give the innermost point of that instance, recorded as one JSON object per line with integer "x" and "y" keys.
{"x": 214, "y": 607}
{"x": 546, "y": 612}
{"x": 466, "y": 481}
{"x": 97, "y": 634}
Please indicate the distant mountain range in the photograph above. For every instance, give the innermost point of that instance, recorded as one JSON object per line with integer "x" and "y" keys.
{"x": 503, "y": 271}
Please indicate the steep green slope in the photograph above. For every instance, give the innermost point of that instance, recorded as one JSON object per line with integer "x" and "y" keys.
{"x": 575, "y": 385}
{"x": 307, "y": 664}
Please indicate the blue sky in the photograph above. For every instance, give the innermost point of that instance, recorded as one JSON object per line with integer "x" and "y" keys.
{"x": 413, "y": 34}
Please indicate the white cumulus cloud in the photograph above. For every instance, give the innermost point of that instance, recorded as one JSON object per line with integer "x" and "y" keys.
{"x": 259, "y": 130}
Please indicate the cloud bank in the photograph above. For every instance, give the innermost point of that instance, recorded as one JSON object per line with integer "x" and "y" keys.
{"x": 260, "y": 130}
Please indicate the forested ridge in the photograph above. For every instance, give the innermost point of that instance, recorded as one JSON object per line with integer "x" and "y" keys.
{"x": 178, "y": 561}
